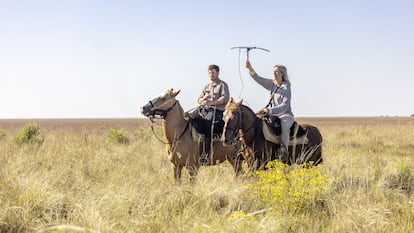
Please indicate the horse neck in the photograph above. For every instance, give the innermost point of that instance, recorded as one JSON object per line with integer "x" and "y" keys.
{"x": 251, "y": 125}
{"x": 174, "y": 123}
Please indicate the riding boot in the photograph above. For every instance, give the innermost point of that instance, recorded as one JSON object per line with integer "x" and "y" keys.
{"x": 204, "y": 158}
{"x": 283, "y": 154}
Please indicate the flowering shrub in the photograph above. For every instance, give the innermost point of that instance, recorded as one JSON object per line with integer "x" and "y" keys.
{"x": 298, "y": 190}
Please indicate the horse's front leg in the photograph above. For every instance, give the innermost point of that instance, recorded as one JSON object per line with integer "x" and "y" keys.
{"x": 237, "y": 164}
{"x": 193, "y": 171}
{"x": 177, "y": 173}
{"x": 238, "y": 169}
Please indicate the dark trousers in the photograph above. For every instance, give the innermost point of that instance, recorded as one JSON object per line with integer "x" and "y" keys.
{"x": 204, "y": 126}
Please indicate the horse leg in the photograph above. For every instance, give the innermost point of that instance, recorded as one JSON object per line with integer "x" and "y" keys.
{"x": 193, "y": 171}
{"x": 238, "y": 166}
{"x": 319, "y": 159}
{"x": 236, "y": 163}
{"x": 177, "y": 174}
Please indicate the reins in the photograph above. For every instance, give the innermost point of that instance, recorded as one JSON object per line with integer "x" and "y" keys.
{"x": 241, "y": 124}
{"x": 245, "y": 149}
{"x": 153, "y": 132}
{"x": 239, "y": 132}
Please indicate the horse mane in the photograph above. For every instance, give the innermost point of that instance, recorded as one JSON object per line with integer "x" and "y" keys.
{"x": 180, "y": 108}
{"x": 233, "y": 106}
{"x": 256, "y": 127}
{"x": 248, "y": 109}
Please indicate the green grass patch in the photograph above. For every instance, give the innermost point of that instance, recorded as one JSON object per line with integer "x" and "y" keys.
{"x": 29, "y": 134}
{"x": 118, "y": 136}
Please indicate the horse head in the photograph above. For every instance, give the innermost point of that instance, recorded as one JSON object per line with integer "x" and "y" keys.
{"x": 160, "y": 105}
{"x": 232, "y": 122}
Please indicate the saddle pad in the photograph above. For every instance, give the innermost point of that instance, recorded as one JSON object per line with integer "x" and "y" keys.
{"x": 199, "y": 137}
{"x": 295, "y": 139}
{"x": 295, "y": 128}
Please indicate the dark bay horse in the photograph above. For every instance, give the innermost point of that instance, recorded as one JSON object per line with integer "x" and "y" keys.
{"x": 182, "y": 149}
{"x": 242, "y": 123}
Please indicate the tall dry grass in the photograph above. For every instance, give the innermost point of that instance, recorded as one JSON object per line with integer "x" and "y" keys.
{"x": 78, "y": 181}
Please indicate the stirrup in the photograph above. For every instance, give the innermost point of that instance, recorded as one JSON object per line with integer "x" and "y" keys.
{"x": 283, "y": 154}
{"x": 204, "y": 159}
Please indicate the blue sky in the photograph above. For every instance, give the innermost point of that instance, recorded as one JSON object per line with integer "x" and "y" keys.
{"x": 76, "y": 59}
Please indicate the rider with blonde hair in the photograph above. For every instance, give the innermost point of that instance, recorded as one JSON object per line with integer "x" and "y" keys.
{"x": 280, "y": 101}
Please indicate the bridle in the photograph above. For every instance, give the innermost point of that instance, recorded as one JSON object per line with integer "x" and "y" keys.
{"x": 240, "y": 130}
{"x": 162, "y": 113}
{"x": 239, "y": 134}
{"x": 239, "y": 125}
{"x": 157, "y": 111}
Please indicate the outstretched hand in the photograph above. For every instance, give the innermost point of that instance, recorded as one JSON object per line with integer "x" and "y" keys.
{"x": 249, "y": 66}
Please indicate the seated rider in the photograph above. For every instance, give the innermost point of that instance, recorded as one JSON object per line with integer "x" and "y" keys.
{"x": 212, "y": 101}
{"x": 279, "y": 104}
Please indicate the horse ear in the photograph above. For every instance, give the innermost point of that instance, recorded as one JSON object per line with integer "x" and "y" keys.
{"x": 231, "y": 100}
{"x": 240, "y": 103}
{"x": 174, "y": 94}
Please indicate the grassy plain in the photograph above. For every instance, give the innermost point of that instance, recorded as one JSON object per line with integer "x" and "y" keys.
{"x": 78, "y": 181}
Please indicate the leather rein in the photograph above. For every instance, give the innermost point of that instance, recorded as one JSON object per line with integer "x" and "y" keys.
{"x": 238, "y": 133}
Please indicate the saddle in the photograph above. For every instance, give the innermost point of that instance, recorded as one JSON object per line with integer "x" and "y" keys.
{"x": 272, "y": 130}
{"x": 198, "y": 129}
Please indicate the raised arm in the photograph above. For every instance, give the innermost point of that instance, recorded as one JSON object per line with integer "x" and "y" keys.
{"x": 264, "y": 82}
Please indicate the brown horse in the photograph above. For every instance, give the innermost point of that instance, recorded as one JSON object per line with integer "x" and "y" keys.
{"x": 242, "y": 123}
{"x": 182, "y": 149}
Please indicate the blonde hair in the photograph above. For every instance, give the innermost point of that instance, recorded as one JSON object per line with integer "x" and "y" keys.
{"x": 283, "y": 69}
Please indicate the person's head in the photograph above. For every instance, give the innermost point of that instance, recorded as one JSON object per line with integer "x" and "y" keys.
{"x": 280, "y": 73}
{"x": 213, "y": 72}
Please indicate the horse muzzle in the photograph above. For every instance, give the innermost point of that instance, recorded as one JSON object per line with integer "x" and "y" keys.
{"x": 146, "y": 110}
